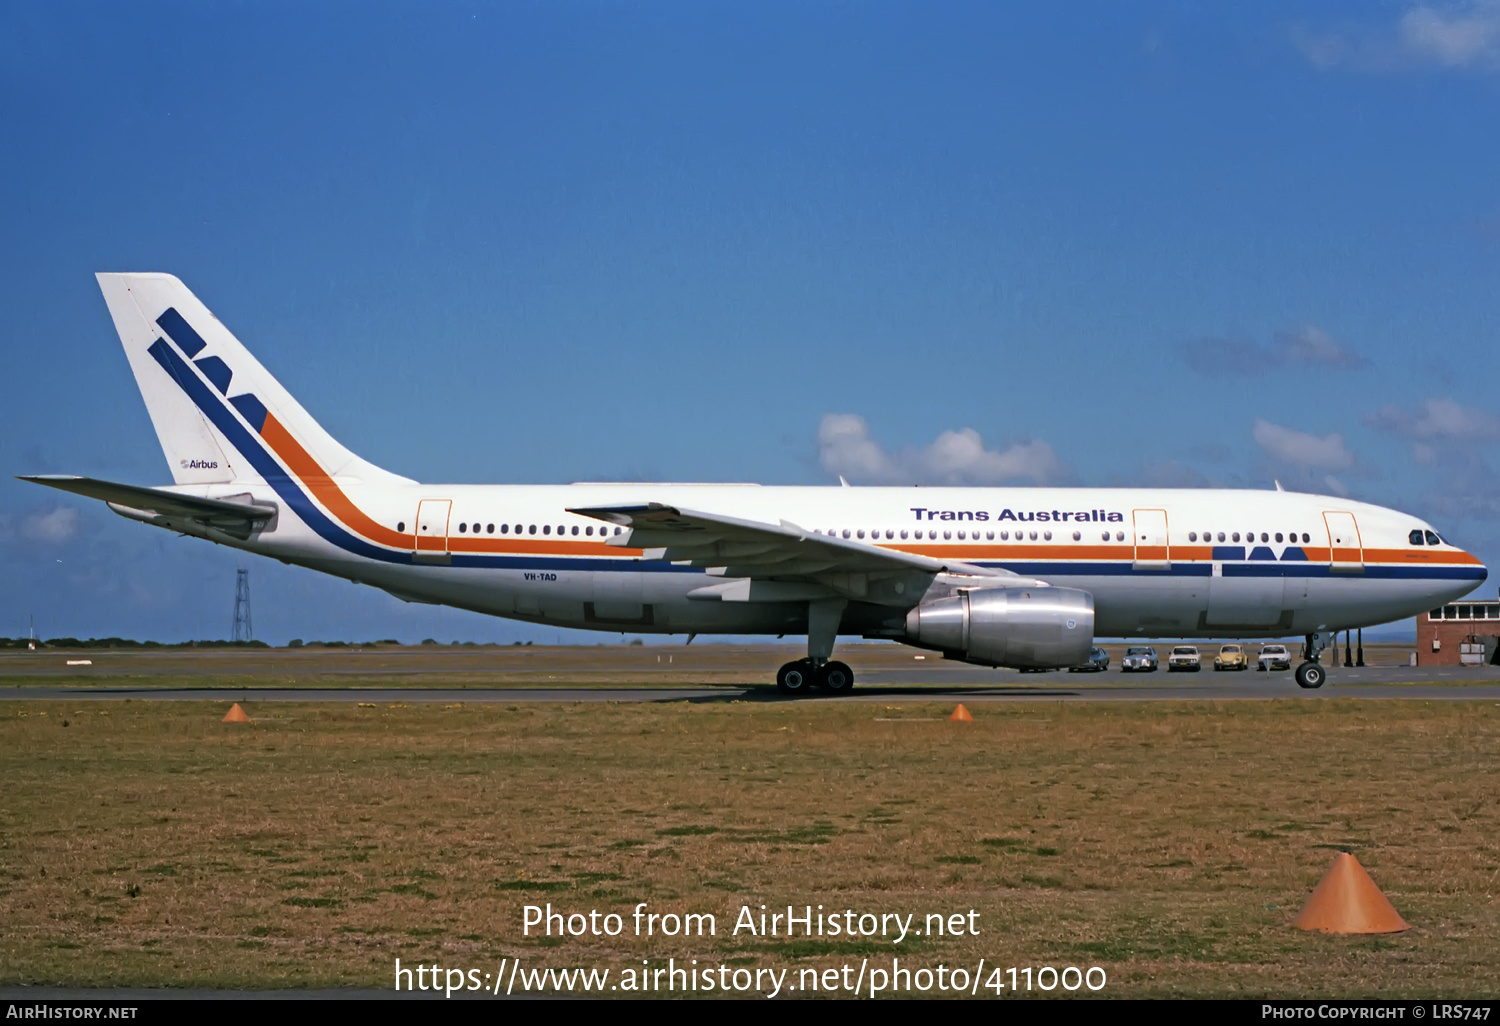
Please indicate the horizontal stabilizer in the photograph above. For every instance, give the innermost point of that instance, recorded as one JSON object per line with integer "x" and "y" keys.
{"x": 239, "y": 519}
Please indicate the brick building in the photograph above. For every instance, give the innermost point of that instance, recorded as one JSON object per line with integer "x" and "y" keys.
{"x": 1459, "y": 633}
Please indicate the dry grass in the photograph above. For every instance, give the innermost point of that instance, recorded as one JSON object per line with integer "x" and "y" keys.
{"x": 148, "y": 844}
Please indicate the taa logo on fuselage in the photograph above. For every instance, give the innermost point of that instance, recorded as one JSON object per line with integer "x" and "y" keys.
{"x": 198, "y": 464}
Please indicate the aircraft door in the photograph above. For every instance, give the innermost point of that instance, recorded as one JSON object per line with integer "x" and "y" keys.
{"x": 432, "y": 530}
{"x": 1151, "y": 548}
{"x": 1346, "y": 553}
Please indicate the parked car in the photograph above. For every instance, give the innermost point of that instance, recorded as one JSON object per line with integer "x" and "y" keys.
{"x": 1274, "y": 657}
{"x": 1097, "y": 661}
{"x": 1232, "y": 657}
{"x": 1139, "y": 659}
{"x": 1185, "y": 658}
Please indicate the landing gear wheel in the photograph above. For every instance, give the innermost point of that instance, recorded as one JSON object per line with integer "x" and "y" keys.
{"x": 836, "y": 678}
{"x": 795, "y": 678}
{"x": 1310, "y": 675}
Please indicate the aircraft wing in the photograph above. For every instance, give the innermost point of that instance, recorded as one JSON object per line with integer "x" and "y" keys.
{"x": 157, "y": 505}
{"x": 733, "y": 548}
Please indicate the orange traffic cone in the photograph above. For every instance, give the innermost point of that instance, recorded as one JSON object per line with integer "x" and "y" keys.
{"x": 236, "y": 715}
{"x": 1346, "y": 900}
{"x": 960, "y": 715}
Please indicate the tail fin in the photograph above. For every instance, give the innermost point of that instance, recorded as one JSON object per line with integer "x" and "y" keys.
{"x": 212, "y": 403}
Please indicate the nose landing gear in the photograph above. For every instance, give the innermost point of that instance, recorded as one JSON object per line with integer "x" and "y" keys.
{"x": 1310, "y": 674}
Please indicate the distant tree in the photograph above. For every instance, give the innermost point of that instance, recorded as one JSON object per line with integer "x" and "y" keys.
{"x": 429, "y": 641}
{"x": 294, "y": 643}
{"x": 636, "y": 641}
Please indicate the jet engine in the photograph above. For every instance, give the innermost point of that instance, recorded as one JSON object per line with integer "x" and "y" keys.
{"x": 1025, "y": 628}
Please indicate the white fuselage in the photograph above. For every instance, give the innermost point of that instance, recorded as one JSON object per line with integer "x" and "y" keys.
{"x": 1152, "y": 558}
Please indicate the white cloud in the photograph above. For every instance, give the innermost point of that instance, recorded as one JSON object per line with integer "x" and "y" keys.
{"x": 1302, "y": 450}
{"x": 1465, "y": 35}
{"x": 1440, "y": 427}
{"x": 955, "y": 457}
{"x": 1304, "y": 345}
{"x": 1309, "y": 344}
{"x": 1456, "y": 37}
{"x": 56, "y": 526}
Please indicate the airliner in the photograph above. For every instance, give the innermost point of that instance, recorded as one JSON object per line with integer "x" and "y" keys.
{"x": 1001, "y": 577}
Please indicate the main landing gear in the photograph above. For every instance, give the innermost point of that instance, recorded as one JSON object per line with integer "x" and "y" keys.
{"x": 817, "y": 670}
{"x": 1311, "y": 674}
{"x": 801, "y": 676}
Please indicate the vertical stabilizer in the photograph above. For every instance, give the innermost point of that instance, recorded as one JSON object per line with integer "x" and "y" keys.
{"x": 204, "y": 390}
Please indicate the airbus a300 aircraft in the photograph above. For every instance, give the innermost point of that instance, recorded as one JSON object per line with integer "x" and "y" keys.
{"x": 1015, "y": 577}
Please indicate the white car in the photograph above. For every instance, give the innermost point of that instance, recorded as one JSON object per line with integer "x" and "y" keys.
{"x": 1184, "y": 657}
{"x": 1274, "y": 657}
{"x": 1139, "y": 658}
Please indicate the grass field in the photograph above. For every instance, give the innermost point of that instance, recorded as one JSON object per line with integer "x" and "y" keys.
{"x": 148, "y": 844}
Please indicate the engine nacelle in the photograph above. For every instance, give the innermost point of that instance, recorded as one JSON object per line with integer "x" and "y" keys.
{"x": 1019, "y": 627}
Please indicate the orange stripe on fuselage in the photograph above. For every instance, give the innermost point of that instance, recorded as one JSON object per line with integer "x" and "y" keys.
{"x": 306, "y": 469}
{"x": 326, "y": 490}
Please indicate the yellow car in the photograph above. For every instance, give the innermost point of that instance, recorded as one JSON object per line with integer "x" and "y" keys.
{"x": 1232, "y": 657}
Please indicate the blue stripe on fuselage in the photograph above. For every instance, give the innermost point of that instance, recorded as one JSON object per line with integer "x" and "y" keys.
{"x": 285, "y": 486}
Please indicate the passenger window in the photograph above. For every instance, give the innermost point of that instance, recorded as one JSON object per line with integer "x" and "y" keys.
{"x": 1046, "y": 536}
{"x": 504, "y": 528}
{"x": 401, "y": 526}
{"x": 1119, "y": 536}
{"x": 546, "y": 528}
{"x": 589, "y": 531}
{"x": 1192, "y": 536}
{"x": 846, "y": 532}
{"x": 989, "y": 536}
{"x": 1433, "y": 539}
{"x": 518, "y": 529}
{"x": 947, "y": 535}
{"x": 903, "y": 534}
{"x": 462, "y": 528}
{"x": 860, "y": 533}
{"x": 1078, "y": 536}
{"x": 1033, "y": 536}
{"x": 1221, "y": 536}
{"x": 1278, "y": 536}
{"x": 1236, "y": 536}
{"x": 1305, "y": 538}
{"x": 575, "y": 530}
{"x": 1264, "y": 536}
{"x": 1105, "y": 536}
{"x": 489, "y": 528}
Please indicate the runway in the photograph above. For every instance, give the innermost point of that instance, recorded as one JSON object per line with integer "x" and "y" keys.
{"x": 1278, "y": 687}
{"x": 427, "y": 674}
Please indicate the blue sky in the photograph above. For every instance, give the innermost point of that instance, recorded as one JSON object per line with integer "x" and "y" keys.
{"x": 1088, "y": 243}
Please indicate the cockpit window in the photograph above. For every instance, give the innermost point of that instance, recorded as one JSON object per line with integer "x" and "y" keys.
{"x": 1415, "y": 537}
{"x": 1433, "y": 539}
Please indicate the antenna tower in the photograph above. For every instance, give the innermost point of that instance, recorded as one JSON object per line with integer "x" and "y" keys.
{"x": 243, "y": 631}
